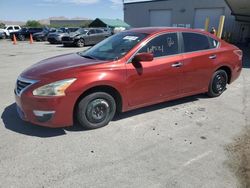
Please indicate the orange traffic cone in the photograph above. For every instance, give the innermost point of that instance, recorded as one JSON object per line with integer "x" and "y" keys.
{"x": 31, "y": 39}
{"x": 14, "y": 39}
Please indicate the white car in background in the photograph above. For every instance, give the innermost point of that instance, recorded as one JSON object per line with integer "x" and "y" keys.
{"x": 10, "y": 29}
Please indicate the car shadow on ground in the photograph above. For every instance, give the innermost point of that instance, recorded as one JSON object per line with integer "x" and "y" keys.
{"x": 159, "y": 106}
{"x": 12, "y": 121}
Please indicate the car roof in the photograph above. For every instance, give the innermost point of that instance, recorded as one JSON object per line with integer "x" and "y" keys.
{"x": 155, "y": 30}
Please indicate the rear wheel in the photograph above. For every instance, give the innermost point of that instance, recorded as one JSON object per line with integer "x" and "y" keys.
{"x": 218, "y": 83}
{"x": 4, "y": 36}
{"x": 80, "y": 43}
{"x": 96, "y": 110}
{"x": 66, "y": 45}
{"x": 21, "y": 37}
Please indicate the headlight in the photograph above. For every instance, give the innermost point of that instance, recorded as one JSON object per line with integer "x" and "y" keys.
{"x": 54, "y": 89}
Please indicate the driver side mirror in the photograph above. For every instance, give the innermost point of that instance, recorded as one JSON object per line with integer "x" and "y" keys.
{"x": 143, "y": 57}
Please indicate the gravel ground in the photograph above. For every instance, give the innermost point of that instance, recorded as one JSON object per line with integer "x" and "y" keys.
{"x": 195, "y": 142}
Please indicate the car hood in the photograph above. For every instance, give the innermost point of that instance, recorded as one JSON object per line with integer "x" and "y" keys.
{"x": 54, "y": 66}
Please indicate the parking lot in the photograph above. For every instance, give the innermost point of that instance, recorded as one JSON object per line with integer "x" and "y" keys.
{"x": 192, "y": 142}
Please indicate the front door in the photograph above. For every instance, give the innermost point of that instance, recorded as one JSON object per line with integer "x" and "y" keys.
{"x": 156, "y": 80}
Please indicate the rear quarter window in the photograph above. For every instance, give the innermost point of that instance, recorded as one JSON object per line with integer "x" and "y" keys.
{"x": 195, "y": 42}
{"x": 213, "y": 43}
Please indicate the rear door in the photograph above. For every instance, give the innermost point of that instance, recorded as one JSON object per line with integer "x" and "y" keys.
{"x": 91, "y": 38}
{"x": 100, "y": 35}
{"x": 199, "y": 58}
{"x": 159, "y": 79}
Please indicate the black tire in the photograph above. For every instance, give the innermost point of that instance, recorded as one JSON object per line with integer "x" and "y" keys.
{"x": 96, "y": 110}
{"x": 4, "y": 36}
{"x": 67, "y": 45}
{"x": 218, "y": 83}
{"x": 80, "y": 43}
{"x": 21, "y": 37}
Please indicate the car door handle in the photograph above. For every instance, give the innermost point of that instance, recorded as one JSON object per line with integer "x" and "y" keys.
{"x": 176, "y": 65}
{"x": 213, "y": 57}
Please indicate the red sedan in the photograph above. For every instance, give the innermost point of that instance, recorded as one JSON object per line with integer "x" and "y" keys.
{"x": 129, "y": 70}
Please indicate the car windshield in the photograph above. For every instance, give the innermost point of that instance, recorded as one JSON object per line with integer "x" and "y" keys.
{"x": 114, "y": 47}
{"x": 82, "y": 31}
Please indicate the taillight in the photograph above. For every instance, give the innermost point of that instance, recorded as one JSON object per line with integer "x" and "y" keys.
{"x": 239, "y": 53}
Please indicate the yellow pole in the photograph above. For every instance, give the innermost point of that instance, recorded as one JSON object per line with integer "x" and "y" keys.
{"x": 207, "y": 23}
{"x": 221, "y": 26}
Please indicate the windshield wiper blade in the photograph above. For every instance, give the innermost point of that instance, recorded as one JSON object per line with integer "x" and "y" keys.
{"x": 87, "y": 56}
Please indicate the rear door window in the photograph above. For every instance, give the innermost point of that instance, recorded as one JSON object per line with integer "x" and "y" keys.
{"x": 99, "y": 31}
{"x": 163, "y": 45}
{"x": 91, "y": 32}
{"x": 195, "y": 42}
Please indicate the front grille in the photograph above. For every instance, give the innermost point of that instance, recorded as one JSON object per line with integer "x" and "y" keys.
{"x": 21, "y": 85}
{"x": 67, "y": 39}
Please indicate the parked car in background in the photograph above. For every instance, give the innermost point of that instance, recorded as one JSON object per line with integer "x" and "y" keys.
{"x": 56, "y": 38}
{"x": 43, "y": 36}
{"x": 118, "y": 29}
{"x": 85, "y": 36}
{"x": 129, "y": 70}
{"x": 8, "y": 29}
{"x": 2, "y": 35}
{"x": 24, "y": 33}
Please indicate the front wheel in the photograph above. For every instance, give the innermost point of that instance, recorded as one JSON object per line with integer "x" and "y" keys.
{"x": 96, "y": 110}
{"x": 80, "y": 43}
{"x": 218, "y": 83}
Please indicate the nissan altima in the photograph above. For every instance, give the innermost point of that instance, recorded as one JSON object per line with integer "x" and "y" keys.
{"x": 129, "y": 70}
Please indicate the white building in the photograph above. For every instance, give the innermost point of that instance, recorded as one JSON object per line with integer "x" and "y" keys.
{"x": 191, "y": 13}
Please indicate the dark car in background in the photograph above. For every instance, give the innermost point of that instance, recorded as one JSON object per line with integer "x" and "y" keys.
{"x": 2, "y": 35}
{"x": 24, "y": 33}
{"x": 85, "y": 36}
{"x": 56, "y": 37}
{"x": 42, "y": 36}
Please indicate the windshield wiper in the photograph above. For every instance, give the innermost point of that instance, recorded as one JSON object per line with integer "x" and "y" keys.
{"x": 87, "y": 56}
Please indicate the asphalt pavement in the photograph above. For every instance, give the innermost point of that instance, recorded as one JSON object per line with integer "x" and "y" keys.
{"x": 195, "y": 142}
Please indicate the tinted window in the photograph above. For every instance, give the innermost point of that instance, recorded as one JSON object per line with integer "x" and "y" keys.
{"x": 82, "y": 31}
{"x": 195, "y": 42}
{"x": 163, "y": 45}
{"x": 10, "y": 28}
{"x": 213, "y": 42}
{"x": 16, "y": 28}
{"x": 92, "y": 31}
{"x": 99, "y": 31}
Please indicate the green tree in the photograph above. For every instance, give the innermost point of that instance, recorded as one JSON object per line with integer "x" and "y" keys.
{"x": 33, "y": 23}
{"x": 2, "y": 25}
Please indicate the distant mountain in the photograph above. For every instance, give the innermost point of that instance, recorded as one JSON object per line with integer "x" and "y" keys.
{"x": 42, "y": 21}
{"x": 12, "y": 22}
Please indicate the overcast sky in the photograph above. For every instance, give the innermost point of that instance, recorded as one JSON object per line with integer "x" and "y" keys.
{"x": 22, "y": 10}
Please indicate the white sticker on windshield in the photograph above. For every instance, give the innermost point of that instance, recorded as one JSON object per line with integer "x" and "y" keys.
{"x": 130, "y": 38}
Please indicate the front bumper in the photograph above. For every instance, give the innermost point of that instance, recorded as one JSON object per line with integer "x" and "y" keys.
{"x": 51, "y": 112}
{"x": 55, "y": 40}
